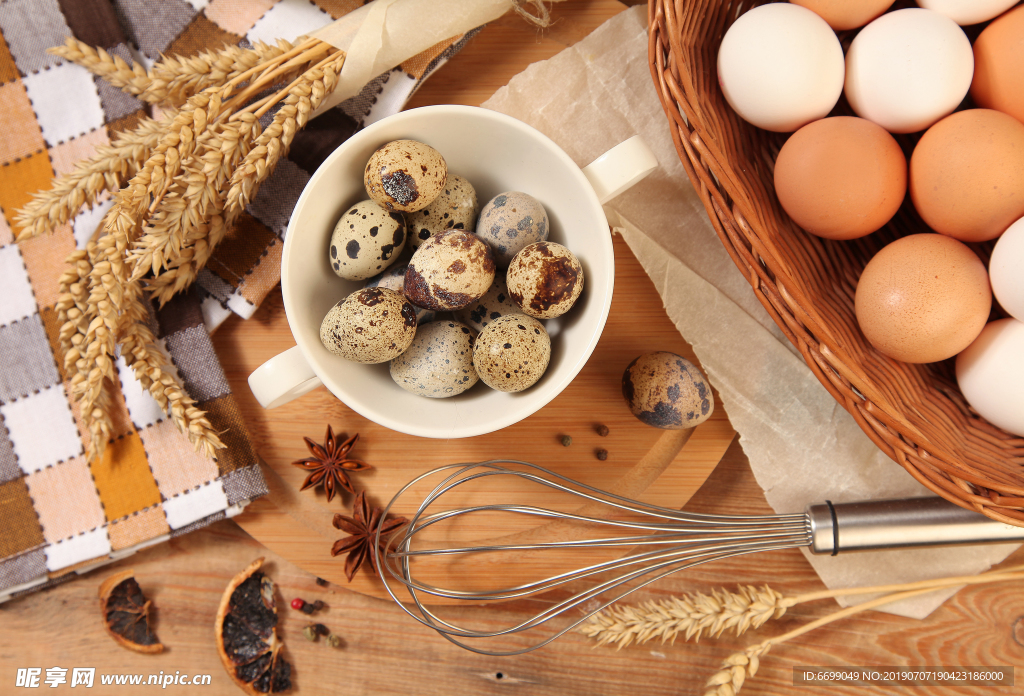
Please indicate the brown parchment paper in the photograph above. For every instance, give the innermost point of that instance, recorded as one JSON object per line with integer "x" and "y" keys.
{"x": 803, "y": 447}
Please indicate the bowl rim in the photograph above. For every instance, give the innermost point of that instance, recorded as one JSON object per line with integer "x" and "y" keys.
{"x": 548, "y": 390}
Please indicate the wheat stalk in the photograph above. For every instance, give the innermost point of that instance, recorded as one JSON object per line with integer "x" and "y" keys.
{"x": 749, "y": 608}
{"x": 108, "y": 170}
{"x": 691, "y": 615}
{"x": 738, "y": 667}
{"x": 180, "y": 183}
{"x": 174, "y": 79}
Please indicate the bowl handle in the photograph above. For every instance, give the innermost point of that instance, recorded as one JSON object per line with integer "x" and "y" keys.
{"x": 620, "y": 168}
{"x": 283, "y": 378}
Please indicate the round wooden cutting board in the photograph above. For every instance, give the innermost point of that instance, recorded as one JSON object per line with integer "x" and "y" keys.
{"x": 297, "y": 524}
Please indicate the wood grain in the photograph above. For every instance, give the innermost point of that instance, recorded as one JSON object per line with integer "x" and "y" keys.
{"x": 385, "y": 652}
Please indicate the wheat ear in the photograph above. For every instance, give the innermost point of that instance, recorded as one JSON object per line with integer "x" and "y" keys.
{"x": 738, "y": 667}
{"x": 79, "y": 357}
{"x": 693, "y": 615}
{"x": 108, "y": 170}
{"x": 174, "y": 79}
{"x": 304, "y": 96}
{"x": 140, "y": 351}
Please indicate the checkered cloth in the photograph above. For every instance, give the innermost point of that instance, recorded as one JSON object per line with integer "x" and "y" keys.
{"x": 59, "y": 513}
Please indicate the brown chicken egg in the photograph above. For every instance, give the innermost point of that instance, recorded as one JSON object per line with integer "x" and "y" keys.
{"x": 967, "y": 174}
{"x": 923, "y": 298}
{"x": 846, "y": 14}
{"x": 999, "y": 65}
{"x": 841, "y": 177}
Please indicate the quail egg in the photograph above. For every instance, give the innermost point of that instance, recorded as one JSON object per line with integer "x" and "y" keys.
{"x": 455, "y": 208}
{"x": 372, "y": 325}
{"x": 510, "y": 221}
{"x": 449, "y": 271}
{"x": 492, "y": 305}
{"x": 544, "y": 280}
{"x": 439, "y": 363}
{"x": 393, "y": 279}
{"x": 405, "y": 175}
{"x": 366, "y": 240}
{"x": 667, "y": 391}
{"x": 512, "y": 353}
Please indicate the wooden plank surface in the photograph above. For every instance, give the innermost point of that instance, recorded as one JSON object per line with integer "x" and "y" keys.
{"x": 385, "y": 652}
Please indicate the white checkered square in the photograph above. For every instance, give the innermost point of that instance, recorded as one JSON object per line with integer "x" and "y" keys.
{"x": 89, "y": 220}
{"x": 142, "y": 407}
{"x": 66, "y": 102}
{"x": 84, "y": 547}
{"x": 15, "y": 289}
{"x": 196, "y": 504}
{"x": 24, "y": 419}
{"x": 288, "y": 19}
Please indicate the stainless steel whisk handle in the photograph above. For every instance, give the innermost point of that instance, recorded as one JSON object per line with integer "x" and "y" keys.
{"x": 911, "y": 522}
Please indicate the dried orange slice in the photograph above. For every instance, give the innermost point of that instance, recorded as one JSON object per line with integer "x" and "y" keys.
{"x": 246, "y": 637}
{"x": 126, "y": 613}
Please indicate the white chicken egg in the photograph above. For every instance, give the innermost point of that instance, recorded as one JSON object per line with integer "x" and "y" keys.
{"x": 990, "y": 373}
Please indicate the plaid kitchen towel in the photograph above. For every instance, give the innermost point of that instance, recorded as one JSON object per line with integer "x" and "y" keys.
{"x": 60, "y": 514}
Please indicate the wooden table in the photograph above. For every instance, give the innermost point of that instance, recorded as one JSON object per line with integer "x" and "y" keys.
{"x": 384, "y": 651}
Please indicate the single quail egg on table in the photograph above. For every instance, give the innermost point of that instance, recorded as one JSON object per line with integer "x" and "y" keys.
{"x": 366, "y": 240}
{"x": 512, "y": 353}
{"x": 511, "y": 221}
{"x": 439, "y": 362}
{"x": 405, "y": 175}
{"x": 667, "y": 391}
{"x": 394, "y": 279}
{"x": 455, "y": 208}
{"x": 495, "y": 303}
{"x": 545, "y": 279}
{"x": 449, "y": 271}
{"x": 372, "y": 325}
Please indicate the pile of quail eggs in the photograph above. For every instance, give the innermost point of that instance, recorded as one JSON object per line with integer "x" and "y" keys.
{"x": 454, "y": 293}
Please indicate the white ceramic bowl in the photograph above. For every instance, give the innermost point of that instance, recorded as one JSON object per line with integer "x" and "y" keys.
{"x": 495, "y": 153}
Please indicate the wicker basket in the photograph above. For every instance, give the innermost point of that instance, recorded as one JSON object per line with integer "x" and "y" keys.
{"x": 914, "y": 413}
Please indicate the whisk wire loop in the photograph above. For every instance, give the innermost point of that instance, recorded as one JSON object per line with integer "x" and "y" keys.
{"x": 680, "y": 540}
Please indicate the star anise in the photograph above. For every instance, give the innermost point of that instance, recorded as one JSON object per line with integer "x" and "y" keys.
{"x": 362, "y": 528}
{"x": 330, "y": 464}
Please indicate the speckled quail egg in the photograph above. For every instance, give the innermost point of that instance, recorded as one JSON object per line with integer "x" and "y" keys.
{"x": 544, "y": 280}
{"x": 455, "y": 208}
{"x": 366, "y": 240}
{"x": 492, "y": 305}
{"x": 510, "y": 221}
{"x": 372, "y": 325}
{"x": 667, "y": 391}
{"x": 439, "y": 363}
{"x": 449, "y": 271}
{"x": 512, "y": 353}
{"x": 405, "y": 175}
{"x": 394, "y": 279}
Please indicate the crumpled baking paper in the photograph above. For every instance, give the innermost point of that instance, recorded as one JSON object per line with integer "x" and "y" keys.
{"x": 803, "y": 447}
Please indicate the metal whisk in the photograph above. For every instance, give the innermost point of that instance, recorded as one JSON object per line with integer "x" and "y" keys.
{"x": 662, "y": 541}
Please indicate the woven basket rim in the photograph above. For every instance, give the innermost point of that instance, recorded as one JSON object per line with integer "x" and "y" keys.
{"x": 989, "y": 476}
